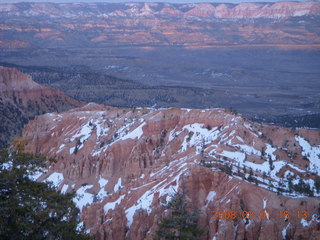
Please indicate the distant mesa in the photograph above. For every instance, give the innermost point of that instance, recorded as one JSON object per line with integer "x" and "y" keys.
{"x": 217, "y": 10}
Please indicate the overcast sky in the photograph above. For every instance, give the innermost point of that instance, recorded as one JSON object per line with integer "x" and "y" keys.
{"x": 175, "y": 1}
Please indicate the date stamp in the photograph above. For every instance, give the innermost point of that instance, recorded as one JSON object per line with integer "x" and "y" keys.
{"x": 264, "y": 214}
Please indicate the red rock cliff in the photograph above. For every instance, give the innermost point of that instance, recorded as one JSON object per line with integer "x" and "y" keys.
{"x": 123, "y": 162}
{"x": 21, "y": 99}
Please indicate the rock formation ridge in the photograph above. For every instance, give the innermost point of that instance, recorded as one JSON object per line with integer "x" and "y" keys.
{"x": 123, "y": 162}
{"x": 21, "y": 99}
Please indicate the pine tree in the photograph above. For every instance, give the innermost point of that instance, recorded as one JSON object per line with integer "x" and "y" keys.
{"x": 251, "y": 178}
{"x": 290, "y": 183}
{"x": 270, "y": 163}
{"x": 182, "y": 222}
{"x": 31, "y": 209}
{"x": 317, "y": 184}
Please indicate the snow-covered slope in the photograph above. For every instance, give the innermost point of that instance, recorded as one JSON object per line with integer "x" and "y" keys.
{"x": 123, "y": 162}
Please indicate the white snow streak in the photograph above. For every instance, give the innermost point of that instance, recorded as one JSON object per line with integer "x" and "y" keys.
{"x": 64, "y": 188}
{"x": 211, "y": 196}
{"x": 112, "y": 205}
{"x": 284, "y": 231}
{"x": 136, "y": 133}
{"x": 312, "y": 153}
{"x": 264, "y": 203}
{"x": 83, "y": 198}
{"x": 118, "y": 185}
{"x": 55, "y": 178}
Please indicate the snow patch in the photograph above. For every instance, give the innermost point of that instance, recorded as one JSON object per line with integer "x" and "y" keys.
{"x": 201, "y": 136}
{"x": 237, "y": 156}
{"x": 136, "y": 133}
{"x": 284, "y": 231}
{"x": 211, "y": 196}
{"x": 84, "y": 133}
{"x": 35, "y": 175}
{"x": 239, "y": 138}
{"x": 64, "y": 188}
{"x": 102, "y": 182}
{"x": 312, "y": 153}
{"x": 55, "y": 178}
{"x": 61, "y": 147}
{"x": 112, "y": 205}
{"x": 264, "y": 203}
{"x": 305, "y": 223}
{"x": 269, "y": 151}
{"x": 118, "y": 185}
{"x": 248, "y": 149}
{"x": 83, "y": 198}
{"x": 145, "y": 201}
{"x": 172, "y": 135}
{"x": 7, "y": 165}
{"x": 102, "y": 193}
{"x": 71, "y": 151}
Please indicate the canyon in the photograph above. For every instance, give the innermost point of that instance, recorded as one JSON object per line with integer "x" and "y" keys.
{"x": 261, "y": 59}
{"x": 124, "y": 162}
{"x": 139, "y": 104}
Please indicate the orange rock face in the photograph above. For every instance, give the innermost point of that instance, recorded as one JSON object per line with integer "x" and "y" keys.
{"x": 21, "y": 99}
{"x": 14, "y": 82}
{"x": 124, "y": 162}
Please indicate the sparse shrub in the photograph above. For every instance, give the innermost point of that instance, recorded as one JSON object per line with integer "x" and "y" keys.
{"x": 263, "y": 152}
{"x": 226, "y": 169}
{"x": 182, "y": 222}
{"x": 303, "y": 188}
{"x": 270, "y": 163}
{"x": 251, "y": 178}
{"x": 233, "y": 111}
{"x": 317, "y": 184}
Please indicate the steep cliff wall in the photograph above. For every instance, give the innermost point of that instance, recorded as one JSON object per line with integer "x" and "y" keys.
{"x": 21, "y": 99}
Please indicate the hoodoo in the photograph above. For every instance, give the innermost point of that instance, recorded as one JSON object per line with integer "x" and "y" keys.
{"x": 124, "y": 162}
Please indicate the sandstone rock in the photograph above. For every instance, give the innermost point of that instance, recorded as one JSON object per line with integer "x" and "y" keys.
{"x": 129, "y": 160}
{"x": 21, "y": 99}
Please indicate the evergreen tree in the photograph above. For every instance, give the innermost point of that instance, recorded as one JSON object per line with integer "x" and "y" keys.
{"x": 317, "y": 183}
{"x": 251, "y": 177}
{"x": 182, "y": 222}
{"x": 30, "y": 209}
{"x": 303, "y": 188}
{"x": 270, "y": 163}
{"x": 290, "y": 183}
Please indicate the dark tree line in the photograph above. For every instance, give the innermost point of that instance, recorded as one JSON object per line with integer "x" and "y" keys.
{"x": 31, "y": 209}
{"x": 181, "y": 222}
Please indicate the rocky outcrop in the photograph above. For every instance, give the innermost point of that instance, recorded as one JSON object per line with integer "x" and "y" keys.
{"x": 21, "y": 99}
{"x": 124, "y": 162}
